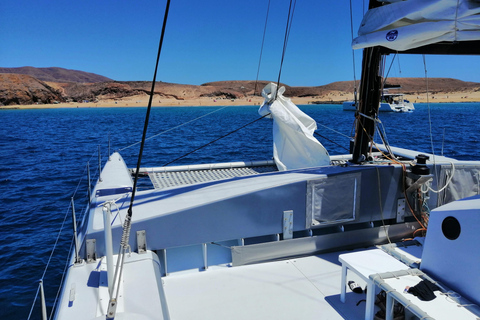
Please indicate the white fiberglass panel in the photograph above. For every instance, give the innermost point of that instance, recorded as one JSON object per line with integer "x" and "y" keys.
{"x": 409, "y": 24}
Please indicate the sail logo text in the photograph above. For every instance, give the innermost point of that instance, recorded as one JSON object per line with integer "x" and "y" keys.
{"x": 392, "y": 35}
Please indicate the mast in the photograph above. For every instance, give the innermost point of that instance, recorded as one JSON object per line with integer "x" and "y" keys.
{"x": 370, "y": 88}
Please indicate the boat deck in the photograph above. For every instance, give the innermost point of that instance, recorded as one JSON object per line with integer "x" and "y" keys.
{"x": 301, "y": 288}
{"x": 176, "y": 176}
{"x": 168, "y": 179}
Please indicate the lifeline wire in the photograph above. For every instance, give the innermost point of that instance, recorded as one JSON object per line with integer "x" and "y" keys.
{"x": 56, "y": 243}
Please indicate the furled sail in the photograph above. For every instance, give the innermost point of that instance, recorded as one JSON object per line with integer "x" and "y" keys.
{"x": 293, "y": 143}
{"x": 404, "y": 25}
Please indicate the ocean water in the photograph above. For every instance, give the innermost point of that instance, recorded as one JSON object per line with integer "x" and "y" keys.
{"x": 43, "y": 156}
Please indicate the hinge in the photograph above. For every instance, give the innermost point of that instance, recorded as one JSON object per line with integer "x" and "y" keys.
{"x": 91, "y": 250}
{"x": 141, "y": 241}
{"x": 287, "y": 224}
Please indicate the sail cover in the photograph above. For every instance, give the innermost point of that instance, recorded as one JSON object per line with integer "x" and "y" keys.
{"x": 404, "y": 25}
{"x": 294, "y": 146}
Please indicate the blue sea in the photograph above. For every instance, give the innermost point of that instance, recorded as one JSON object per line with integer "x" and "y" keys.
{"x": 43, "y": 156}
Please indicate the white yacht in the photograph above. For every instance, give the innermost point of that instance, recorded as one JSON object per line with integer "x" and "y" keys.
{"x": 390, "y": 102}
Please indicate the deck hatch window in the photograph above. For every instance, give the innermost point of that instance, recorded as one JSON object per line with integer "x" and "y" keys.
{"x": 332, "y": 199}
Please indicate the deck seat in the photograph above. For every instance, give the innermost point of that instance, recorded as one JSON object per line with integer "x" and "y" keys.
{"x": 447, "y": 304}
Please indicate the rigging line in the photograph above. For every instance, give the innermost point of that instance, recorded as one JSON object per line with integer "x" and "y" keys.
{"x": 385, "y": 229}
{"x": 285, "y": 41}
{"x": 388, "y": 72}
{"x": 399, "y": 67}
{"x": 129, "y": 214}
{"x": 353, "y": 55}
{"x": 176, "y": 127}
{"x": 79, "y": 182}
{"x": 113, "y": 293}
{"x": 383, "y": 137}
{"x": 338, "y": 132}
{"x": 430, "y": 118}
{"x": 201, "y": 147}
{"x": 261, "y": 49}
{"x": 33, "y": 304}
{"x": 338, "y": 144}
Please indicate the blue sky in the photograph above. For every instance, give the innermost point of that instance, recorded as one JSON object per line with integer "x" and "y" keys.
{"x": 205, "y": 41}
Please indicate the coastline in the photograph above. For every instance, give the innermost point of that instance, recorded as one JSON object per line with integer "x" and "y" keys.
{"x": 333, "y": 98}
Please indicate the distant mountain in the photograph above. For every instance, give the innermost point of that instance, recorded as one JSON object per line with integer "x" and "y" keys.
{"x": 30, "y": 85}
{"x": 55, "y": 74}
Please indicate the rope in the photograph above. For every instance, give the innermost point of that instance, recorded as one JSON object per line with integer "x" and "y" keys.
{"x": 145, "y": 127}
{"x": 34, "y": 300}
{"x": 127, "y": 223}
{"x": 383, "y": 137}
{"x": 446, "y": 184}
{"x": 404, "y": 188}
{"x": 318, "y": 134}
{"x": 211, "y": 142}
{"x": 430, "y": 118}
{"x": 285, "y": 40}
{"x": 261, "y": 49}
{"x": 380, "y": 205}
{"x": 353, "y": 56}
{"x": 176, "y": 127}
{"x": 338, "y": 132}
{"x": 388, "y": 72}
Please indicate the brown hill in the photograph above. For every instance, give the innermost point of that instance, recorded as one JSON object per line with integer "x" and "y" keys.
{"x": 55, "y": 74}
{"x": 435, "y": 85}
{"x": 19, "y": 89}
{"x": 22, "y": 89}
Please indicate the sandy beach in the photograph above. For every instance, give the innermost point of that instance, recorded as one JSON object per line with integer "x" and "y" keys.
{"x": 336, "y": 98}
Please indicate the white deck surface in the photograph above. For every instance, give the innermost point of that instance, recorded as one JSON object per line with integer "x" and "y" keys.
{"x": 88, "y": 291}
{"x": 303, "y": 288}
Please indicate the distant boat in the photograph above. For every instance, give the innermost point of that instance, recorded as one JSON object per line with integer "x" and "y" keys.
{"x": 390, "y": 102}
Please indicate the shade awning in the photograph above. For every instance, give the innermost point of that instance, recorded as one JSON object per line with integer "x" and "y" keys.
{"x": 405, "y": 25}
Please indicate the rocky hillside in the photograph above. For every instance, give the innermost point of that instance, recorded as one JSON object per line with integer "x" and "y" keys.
{"x": 52, "y": 85}
{"x": 20, "y": 89}
{"x": 55, "y": 74}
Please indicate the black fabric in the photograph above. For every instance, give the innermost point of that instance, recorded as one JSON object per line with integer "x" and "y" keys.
{"x": 424, "y": 290}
